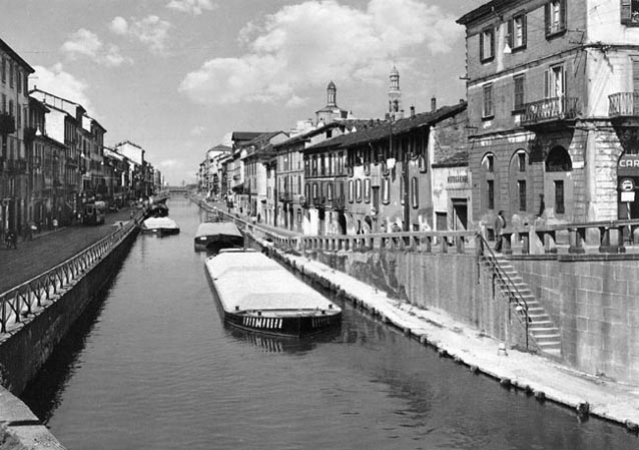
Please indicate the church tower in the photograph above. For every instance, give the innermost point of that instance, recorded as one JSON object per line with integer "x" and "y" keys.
{"x": 331, "y": 111}
{"x": 395, "y": 110}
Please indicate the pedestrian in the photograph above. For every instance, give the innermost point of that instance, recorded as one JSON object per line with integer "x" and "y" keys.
{"x": 500, "y": 224}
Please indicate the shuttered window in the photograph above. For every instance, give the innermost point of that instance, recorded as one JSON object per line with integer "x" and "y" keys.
{"x": 487, "y": 45}
{"x": 555, "y": 13}
{"x": 630, "y": 12}
{"x": 517, "y": 32}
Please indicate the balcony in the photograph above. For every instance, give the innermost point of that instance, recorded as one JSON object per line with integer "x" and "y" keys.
{"x": 623, "y": 104}
{"x": 285, "y": 197}
{"x": 544, "y": 112}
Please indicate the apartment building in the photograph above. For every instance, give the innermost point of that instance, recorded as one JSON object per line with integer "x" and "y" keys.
{"x": 14, "y": 106}
{"x": 552, "y": 105}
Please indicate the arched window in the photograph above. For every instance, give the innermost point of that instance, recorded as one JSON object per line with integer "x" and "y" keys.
{"x": 558, "y": 160}
{"x": 518, "y": 181}
{"x": 488, "y": 181}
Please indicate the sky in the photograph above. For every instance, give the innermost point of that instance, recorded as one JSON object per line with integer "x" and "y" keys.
{"x": 177, "y": 77}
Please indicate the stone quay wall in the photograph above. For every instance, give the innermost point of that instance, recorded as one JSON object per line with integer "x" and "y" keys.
{"x": 595, "y": 303}
{"x": 25, "y": 351}
{"x": 456, "y": 283}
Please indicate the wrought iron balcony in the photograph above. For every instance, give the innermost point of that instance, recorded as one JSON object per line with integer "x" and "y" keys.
{"x": 16, "y": 166}
{"x": 550, "y": 110}
{"x": 319, "y": 201}
{"x": 623, "y": 104}
{"x": 286, "y": 197}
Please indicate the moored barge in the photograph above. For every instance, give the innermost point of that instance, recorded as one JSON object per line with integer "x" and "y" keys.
{"x": 215, "y": 236}
{"x": 255, "y": 293}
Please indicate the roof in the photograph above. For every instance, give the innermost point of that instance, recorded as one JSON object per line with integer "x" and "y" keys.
{"x": 379, "y": 130}
{"x": 245, "y": 135}
{"x": 348, "y": 123}
{"x": 5, "y": 47}
{"x": 484, "y": 10}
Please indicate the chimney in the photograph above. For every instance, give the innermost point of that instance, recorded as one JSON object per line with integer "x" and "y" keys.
{"x": 433, "y": 103}
{"x": 412, "y": 111}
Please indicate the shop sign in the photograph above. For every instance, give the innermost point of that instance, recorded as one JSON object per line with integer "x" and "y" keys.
{"x": 627, "y": 184}
{"x": 628, "y": 165}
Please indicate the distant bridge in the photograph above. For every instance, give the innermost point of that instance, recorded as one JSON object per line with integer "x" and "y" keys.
{"x": 177, "y": 189}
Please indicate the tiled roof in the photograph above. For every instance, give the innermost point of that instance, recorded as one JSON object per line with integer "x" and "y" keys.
{"x": 348, "y": 123}
{"x": 245, "y": 135}
{"x": 377, "y": 130}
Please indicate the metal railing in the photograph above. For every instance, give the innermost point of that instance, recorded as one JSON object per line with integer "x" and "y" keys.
{"x": 623, "y": 104}
{"x": 24, "y": 299}
{"x": 512, "y": 291}
{"x": 549, "y": 109}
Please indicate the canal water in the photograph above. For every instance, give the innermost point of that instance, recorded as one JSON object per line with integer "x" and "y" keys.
{"x": 151, "y": 366}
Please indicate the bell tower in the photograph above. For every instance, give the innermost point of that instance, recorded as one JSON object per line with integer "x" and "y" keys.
{"x": 395, "y": 110}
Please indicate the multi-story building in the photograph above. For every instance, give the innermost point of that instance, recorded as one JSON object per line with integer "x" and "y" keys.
{"x": 83, "y": 138}
{"x": 14, "y": 179}
{"x": 380, "y": 178}
{"x": 141, "y": 181}
{"x": 552, "y": 88}
{"x": 255, "y": 155}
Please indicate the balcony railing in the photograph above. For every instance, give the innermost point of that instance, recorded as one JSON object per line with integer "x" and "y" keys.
{"x": 623, "y": 104}
{"x": 550, "y": 109}
{"x": 16, "y": 166}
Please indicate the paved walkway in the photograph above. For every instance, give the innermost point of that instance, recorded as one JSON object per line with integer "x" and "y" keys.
{"x": 48, "y": 249}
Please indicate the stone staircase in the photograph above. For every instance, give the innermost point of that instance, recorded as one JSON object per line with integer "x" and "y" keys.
{"x": 540, "y": 326}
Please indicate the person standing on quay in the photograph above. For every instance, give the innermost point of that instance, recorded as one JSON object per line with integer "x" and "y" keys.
{"x": 500, "y": 224}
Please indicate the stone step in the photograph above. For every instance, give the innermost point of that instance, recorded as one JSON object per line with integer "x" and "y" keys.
{"x": 546, "y": 338}
{"x": 542, "y": 324}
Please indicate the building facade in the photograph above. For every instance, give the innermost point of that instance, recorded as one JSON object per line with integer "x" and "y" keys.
{"x": 14, "y": 178}
{"x": 551, "y": 100}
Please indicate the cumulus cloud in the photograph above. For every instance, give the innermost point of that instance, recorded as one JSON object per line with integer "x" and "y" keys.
{"x": 194, "y": 7}
{"x": 61, "y": 83}
{"x": 84, "y": 43}
{"x": 170, "y": 164}
{"x": 151, "y": 31}
{"x": 309, "y": 43}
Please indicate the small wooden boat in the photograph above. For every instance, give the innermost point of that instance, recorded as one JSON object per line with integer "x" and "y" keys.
{"x": 256, "y": 294}
{"x": 214, "y": 236}
{"x": 160, "y": 226}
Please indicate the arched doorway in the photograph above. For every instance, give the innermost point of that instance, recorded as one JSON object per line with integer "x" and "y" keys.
{"x": 518, "y": 183}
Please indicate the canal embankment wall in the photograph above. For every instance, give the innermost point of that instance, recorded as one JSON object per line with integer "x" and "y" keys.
{"x": 456, "y": 283}
{"x": 595, "y": 303}
{"x": 27, "y": 347}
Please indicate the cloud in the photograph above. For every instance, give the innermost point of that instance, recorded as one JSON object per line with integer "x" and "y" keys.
{"x": 84, "y": 43}
{"x": 194, "y": 7}
{"x": 62, "y": 84}
{"x": 151, "y": 31}
{"x": 314, "y": 42}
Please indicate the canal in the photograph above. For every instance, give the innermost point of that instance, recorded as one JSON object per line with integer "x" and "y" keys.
{"x": 151, "y": 366}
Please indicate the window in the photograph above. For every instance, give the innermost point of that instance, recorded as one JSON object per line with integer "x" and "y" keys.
{"x": 329, "y": 192}
{"x": 630, "y": 12}
{"x": 10, "y": 74}
{"x": 555, "y": 12}
{"x": 555, "y": 82}
{"x": 491, "y": 194}
{"x": 18, "y": 81}
{"x": 560, "y": 208}
{"x": 4, "y": 69}
{"x": 358, "y": 190}
{"x": 521, "y": 188}
{"x": 521, "y": 161}
{"x": 315, "y": 193}
{"x": 26, "y": 84}
{"x": 519, "y": 104}
{"x": 488, "y": 101}
{"x": 414, "y": 193}
{"x": 385, "y": 191}
{"x": 487, "y": 45}
{"x": 488, "y": 163}
{"x": 351, "y": 191}
{"x": 517, "y": 32}
{"x": 367, "y": 190}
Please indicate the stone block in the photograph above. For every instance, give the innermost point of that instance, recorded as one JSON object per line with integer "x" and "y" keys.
{"x": 582, "y": 324}
{"x": 590, "y": 283}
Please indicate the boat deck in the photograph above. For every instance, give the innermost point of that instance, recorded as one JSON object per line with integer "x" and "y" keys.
{"x": 250, "y": 281}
